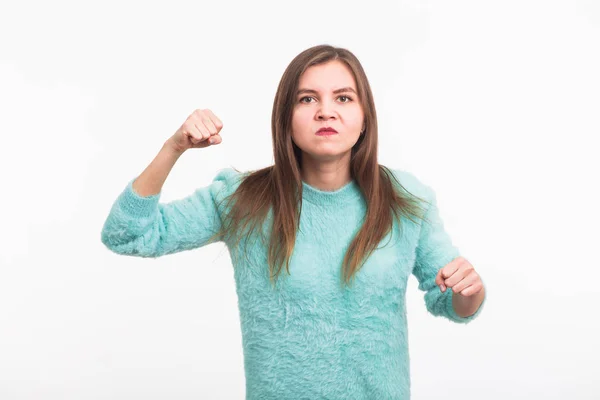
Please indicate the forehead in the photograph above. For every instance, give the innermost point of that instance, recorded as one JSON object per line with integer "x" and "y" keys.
{"x": 328, "y": 76}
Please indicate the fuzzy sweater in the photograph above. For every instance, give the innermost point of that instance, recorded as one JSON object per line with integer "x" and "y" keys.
{"x": 308, "y": 338}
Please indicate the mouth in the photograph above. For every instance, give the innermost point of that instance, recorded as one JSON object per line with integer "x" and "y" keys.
{"x": 326, "y": 131}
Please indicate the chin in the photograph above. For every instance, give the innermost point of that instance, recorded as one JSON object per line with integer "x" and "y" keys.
{"x": 323, "y": 154}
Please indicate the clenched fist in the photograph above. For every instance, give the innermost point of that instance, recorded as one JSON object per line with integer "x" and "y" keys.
{"x": 460, "y": 276}
{"x": 201, "y": 129}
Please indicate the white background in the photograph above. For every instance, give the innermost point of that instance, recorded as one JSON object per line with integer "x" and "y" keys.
{"x": 493, "y": 104}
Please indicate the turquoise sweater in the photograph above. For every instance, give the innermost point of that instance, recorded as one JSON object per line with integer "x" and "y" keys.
{"x": 308, "y": 338}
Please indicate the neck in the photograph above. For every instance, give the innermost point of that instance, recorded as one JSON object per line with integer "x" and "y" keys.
{"x": 326, "y": 176}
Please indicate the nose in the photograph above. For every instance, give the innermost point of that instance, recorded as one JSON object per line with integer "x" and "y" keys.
{"x": 325, "y": 113}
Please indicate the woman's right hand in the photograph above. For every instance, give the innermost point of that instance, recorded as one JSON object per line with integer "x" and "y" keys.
{"x": 201, "y": 129}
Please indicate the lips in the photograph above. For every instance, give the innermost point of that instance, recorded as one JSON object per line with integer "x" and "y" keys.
{"x": 326, "y": 131}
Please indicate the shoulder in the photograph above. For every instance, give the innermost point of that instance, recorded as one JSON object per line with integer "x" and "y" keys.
{"x": 226, "y": 181}
{"x": 228, "y": 175}
{"x": 411, "y": 182}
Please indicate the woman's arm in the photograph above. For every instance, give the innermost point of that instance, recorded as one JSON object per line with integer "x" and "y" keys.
{"x": 151, "y": 181}
{"x": 434, "y": 251}
{"x": 139, "y": 225}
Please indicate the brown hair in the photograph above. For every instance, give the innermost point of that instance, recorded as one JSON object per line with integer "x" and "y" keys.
{"x": 278, "y": 188}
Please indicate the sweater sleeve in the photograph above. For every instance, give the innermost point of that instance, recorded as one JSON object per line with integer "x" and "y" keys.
{"x": 434, "y": 251}
{"x": 142, "y": 226}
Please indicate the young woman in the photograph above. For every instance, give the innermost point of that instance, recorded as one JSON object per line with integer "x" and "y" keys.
{"x": 348, "y": 230}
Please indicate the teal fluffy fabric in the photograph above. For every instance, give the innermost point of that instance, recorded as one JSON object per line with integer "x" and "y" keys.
{"x": 308, "y": 338}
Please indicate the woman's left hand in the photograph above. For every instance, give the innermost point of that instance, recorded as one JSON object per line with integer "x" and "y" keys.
{"x": 460, "y": 276}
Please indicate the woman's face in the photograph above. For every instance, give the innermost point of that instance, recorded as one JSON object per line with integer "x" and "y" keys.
{"x": 327, "y": 97}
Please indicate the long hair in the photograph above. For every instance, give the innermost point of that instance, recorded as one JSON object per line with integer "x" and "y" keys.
{"x": 278, "y": 188}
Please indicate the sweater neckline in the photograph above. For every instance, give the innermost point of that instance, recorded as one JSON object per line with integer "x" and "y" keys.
{"x": 341, "y": 196}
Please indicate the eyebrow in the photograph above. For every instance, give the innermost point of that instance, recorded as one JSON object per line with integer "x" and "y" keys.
{"x": 341, "y": 90}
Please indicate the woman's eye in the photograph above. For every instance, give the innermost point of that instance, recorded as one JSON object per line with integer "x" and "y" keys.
{"x": 348, "y": 99}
